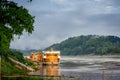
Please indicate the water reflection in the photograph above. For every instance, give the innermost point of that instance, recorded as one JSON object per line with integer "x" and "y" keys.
{"x": 47, "y": 70}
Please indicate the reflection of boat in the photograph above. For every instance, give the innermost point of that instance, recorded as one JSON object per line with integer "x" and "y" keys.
{"x": 49, "y": 70}
{"x": 46, "y": 57}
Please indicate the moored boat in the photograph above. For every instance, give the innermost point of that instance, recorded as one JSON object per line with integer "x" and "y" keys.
{"x": 46, "y": 57}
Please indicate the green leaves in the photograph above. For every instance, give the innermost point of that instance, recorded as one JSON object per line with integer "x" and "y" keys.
{"x": 14, "y": 20}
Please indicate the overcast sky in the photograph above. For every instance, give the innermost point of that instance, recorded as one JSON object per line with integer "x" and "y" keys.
{"x": 57, "y": 20}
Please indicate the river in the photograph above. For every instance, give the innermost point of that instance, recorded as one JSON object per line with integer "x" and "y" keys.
{"x": 83, "y": 68}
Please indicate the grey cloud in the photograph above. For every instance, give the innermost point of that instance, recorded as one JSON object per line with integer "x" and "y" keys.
{"x": 108, "y": 20}
{"x": 115, "y": 2}
{"x": 57, "y": 21}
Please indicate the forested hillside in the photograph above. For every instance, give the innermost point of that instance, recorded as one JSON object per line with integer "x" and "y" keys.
{"x": 90, "y": 44}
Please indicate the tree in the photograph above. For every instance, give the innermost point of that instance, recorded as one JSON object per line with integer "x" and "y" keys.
{"x": 14, "y": 20}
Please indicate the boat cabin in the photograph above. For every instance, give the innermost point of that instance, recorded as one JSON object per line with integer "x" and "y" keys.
{"x": 46, "y": 57}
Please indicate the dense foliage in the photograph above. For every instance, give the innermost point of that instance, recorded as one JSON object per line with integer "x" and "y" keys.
{"x": 91, "y": 44}
{"x": 9, "y": 68}
{"x": 14, "y": 20}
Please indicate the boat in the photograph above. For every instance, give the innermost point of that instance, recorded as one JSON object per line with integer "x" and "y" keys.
{"x": 46, "y": 57}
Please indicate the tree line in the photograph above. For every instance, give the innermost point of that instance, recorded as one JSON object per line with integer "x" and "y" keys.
{"x": 90, "y": 44}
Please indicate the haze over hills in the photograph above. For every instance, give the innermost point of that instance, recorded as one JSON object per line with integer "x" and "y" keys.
{"x": 90, "y": 44}
{"x": 84, "y": 45}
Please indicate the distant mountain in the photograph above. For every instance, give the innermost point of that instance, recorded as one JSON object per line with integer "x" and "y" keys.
{"x": 90, "y": 44}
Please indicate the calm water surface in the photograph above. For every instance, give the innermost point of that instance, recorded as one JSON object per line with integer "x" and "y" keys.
{"x": 83, "y": 68}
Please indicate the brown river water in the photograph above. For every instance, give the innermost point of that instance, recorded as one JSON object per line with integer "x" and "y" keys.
{"x": 82, "y": 68}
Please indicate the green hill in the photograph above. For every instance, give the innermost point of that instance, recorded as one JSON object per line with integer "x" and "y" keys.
{"x": 90, "y": 44}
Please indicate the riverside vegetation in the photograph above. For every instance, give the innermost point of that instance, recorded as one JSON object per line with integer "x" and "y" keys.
{"x": 14, "y": 19}
{"x": 9, "y": 69}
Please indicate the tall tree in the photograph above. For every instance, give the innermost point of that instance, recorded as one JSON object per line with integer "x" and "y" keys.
{"x": 14, "y": 20}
